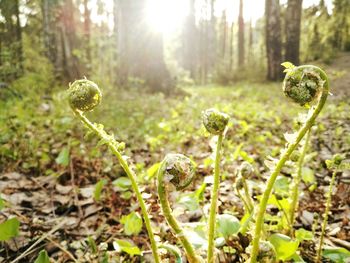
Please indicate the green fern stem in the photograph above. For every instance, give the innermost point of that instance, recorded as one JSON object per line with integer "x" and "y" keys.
{"x": 325, "y": 217}
{"x": 113, "y": 147}
{"x": 297, "y": 180}
{"x": 250, "y": 202}
{"x": 285, "y": 156}
{"x": 214, "y": 201}
{"x": 167, "y": 212}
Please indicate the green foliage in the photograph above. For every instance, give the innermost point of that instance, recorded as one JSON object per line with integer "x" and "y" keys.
{"x": 98, "y": 189}
{"x": 125, "y": 246}
{"x": 192, "y": 200}
{"x": 285, "y": 247}
{"x": 92, "y": 245}
{"x": 9, "y": 229}
{"x": 63, "y": 157}
{"x": 227, "y": 225}
{"x": 255, "y": 126}
{"x": 43, "y": 257}
{"x": 337, "y": 254}
{"x": 123, "y": 183}
{"x": 308, "y": 176}
{"x": 2, "y": 203}
{"x": 152, "y": 171}
{"x": 302, "y": 234}
{"x": 132, "y": 223}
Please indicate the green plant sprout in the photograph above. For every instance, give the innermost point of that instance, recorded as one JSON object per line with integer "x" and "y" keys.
{"x": 84, "y": 95}
{"x": 239, "y": 186}
{"x": 296, "y": 183}
{"x": 215, "y": 123}
{"x": 179, "y": 171}
{"x": 305, "y": 85}
{"x": 245, "y": 171}
{"x": 331, "y": 164}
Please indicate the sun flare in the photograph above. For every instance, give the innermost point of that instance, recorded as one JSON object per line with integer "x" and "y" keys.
{"x": 166, "y": 16}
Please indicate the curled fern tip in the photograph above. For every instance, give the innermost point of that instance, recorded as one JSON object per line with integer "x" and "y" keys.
{"x": 84, "y": 95}
{"x": 178, "y": 170}
{"x": 303, "y": 84}
{"x": 215, "y": 121}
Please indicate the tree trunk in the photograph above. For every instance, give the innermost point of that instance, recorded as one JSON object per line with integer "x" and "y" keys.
{"x": 11, "y": 41}
{"x": 231, "y": 46}
{"x": 45, "y": 9}
{"x": 250, "y": 44}
{"x": 292, "y": 22}
{"x": 87, "y": 33}
{"x": 71, "y": 68}
{"x": 142, "y": 48}
{"x": 273, "y": 39}
{"x": 190, "y": 42}
{"x": 240, "y": 35}
{"x": 224, "y": 35}
{"x": 212, "y": 38}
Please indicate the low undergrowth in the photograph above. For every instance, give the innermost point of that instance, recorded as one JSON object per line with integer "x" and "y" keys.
{"x": 40, "y": 137}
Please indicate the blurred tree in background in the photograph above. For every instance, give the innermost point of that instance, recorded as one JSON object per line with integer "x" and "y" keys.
{"x": 114, "y": 42}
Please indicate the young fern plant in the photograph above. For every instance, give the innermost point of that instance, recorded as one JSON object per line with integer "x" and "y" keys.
{"x": 215, "y": 123}
{"x": 245, "y": 171}
{"x": 179, "y": 171}
{"x": 296, "y": 183}
{"x": 84, "y": 95}
{"x": 305, "y": 85}
{"x": 335, "y": 165}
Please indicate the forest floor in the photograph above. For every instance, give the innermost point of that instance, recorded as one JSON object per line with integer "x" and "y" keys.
{"x": 50, "y": 170}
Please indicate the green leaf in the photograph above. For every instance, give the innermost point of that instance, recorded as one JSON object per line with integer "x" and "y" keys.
{"x": 237, "y": 151}
{"x": 124, "y": 246}
{"x": 285, "y": 247}
{"x": 288, "y": 66}
{"x": 43, "y": 257}
{"x": 199, "y": 193}
{"x": 227, "y": 225}
{"x": 132, "y": 223}
{"x": 9, "y": 229}
{"x": 123, "y": 183}
{"x": 302, "y": 234}
{"x": 189, "y": 201}
{"x": 308, "y": 175}
{"x": 92, "y": 245}
{"x": 337, "y": 254}
{"x": 2, "y": 203}
{"x": 63, "y": 157}
{"x": 126, "y": 195}
{"x": 102, "y": 142}
{"x": 297, "y": 258}
{"x": 281, "y": 204}
{"x": 105, "y": 258}
{"x": 281, "y": 185}
{"x": 197, "y": 236}
{"x": 152, "y": 171}
{"x": 98, "y": 189}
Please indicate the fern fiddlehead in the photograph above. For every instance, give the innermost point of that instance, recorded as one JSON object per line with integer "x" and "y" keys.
{"x": 304, "y": 85}
{"x": 84, "y": 95}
